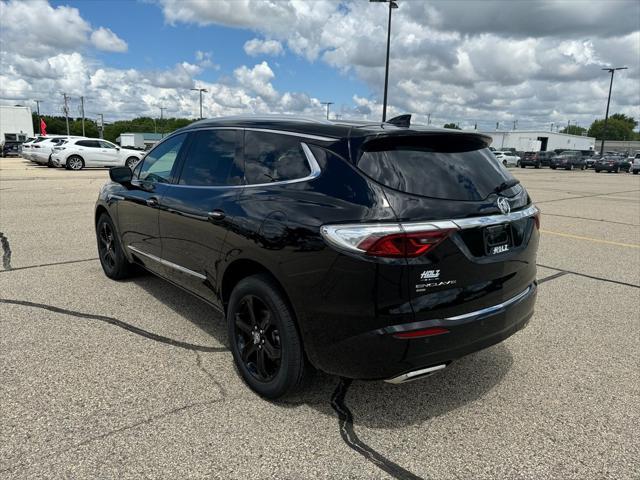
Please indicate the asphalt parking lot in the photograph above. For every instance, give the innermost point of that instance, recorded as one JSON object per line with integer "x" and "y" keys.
{"x": 132, "y": 379}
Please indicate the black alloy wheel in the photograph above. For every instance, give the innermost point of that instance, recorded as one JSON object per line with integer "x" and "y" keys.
{"x": 112, "y": 259}
{"x": 264, "y": 340}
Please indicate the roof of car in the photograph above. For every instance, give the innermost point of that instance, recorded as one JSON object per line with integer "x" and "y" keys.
{"x": 318, "y": 127}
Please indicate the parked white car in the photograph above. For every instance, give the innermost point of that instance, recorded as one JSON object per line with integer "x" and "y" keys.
{"x": 78, "y": 153}
{"x": 635, "y": 166}
{"x": 508, "y": 159}
{"x": 39, "y": 150}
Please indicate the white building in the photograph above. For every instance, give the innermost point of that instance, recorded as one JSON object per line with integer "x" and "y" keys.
{"x": 539, "y": 140}
{"x": 16, "y": 124}
{"x": 139, "y": 140}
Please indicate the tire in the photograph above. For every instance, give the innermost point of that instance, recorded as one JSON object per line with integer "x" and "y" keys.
{"x": 252, "y": 337}
{"x": 75, "y": 162}
{"x": 50, "y": 163}
{"x": 617, "y": 170}
{"x": 131, "y": 162}
{"x": 537, "y": 165}
{"x": 114, "y": 263}
{"x": 523, "y": 166}
{"x": 504, "y": 162}
{"x": 635, "y": 172}
{"x": 597, "y": 170}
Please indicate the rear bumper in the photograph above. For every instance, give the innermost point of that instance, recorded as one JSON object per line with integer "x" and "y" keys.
{"x": 379, "y": 355}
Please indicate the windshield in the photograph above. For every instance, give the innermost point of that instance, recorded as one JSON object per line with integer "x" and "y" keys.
{"x": 414, "y": 166}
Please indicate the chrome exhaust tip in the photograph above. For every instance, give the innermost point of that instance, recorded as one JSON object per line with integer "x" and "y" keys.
{"x": 416, "y": 374}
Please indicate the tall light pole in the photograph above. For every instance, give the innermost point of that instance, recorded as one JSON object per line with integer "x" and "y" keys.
{"x": 606, "y": 115}
{"x": 162, "y": 109}
{"x": 327, "y": 104}
{"x": 200, "y": 90}
{"x": 65, "y": 109}
{"x": 392, "y": 5}
{"x": 39, "y": 119}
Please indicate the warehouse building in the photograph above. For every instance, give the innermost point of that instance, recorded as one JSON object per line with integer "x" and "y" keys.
{"x": 539, "y": 140}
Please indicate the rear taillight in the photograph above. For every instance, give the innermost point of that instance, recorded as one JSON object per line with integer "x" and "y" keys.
{"x": 384, "y": 240}
{"x": 407, "y": 245}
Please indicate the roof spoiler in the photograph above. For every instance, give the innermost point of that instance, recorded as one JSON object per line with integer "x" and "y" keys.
{"x": 401, "y": 120}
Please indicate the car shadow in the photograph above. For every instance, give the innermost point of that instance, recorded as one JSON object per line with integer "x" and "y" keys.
{"x": 375, "y": 404}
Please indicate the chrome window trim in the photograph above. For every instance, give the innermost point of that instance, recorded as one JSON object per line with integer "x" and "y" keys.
{"x": 314, "y": 168}
{"x": 415, "y": 374}
{"x": 167, "y": 263}
{"x": 266, "y": 130}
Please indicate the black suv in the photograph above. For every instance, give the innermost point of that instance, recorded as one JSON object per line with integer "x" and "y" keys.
{"x": 536, "y": 159}
{"x": 369, "y": 250}
{"x": 611, "y": 163}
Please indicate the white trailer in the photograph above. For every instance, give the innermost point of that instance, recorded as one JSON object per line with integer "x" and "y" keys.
{"x": 16, "y": 124}
{"x": 539, "y": 140}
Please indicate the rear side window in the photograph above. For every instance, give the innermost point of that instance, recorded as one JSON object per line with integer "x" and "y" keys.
{"x": 211, "y": 160}
{"x": 445, "y": 167}
{"x": 88, "y": 143}
{"x": 271, "y": 157}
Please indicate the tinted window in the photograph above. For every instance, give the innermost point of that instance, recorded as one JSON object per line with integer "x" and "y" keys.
{"x": 104, "y": 144}
{"x": 270, "y": 157}
{"x": 212, "y": 159}
{"x": 157, "y": 165}
{"x": 88, "y": 143}
{"x": 447, "y": 168}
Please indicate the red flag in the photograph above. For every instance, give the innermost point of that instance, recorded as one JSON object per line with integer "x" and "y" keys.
{"x": 43, "y": 127}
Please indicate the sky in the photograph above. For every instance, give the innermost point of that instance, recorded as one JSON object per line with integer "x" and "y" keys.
{"x": 469, "y": 62}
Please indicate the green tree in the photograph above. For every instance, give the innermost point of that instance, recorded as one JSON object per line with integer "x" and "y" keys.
{"x": 619, "y": 127}
{"x": 452, "y": 125}
{"x": 573, "y": 130}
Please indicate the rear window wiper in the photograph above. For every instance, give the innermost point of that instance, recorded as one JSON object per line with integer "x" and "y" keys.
{"x": 506, "y": 185}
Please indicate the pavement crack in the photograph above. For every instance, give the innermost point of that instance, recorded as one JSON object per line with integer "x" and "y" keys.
{"x": 6, "y": 251}
{"x": 348, "y": 434}
{"x": 592, "y": 277}
{"x": 552, "y": 277}
{"x": 146, "y": 421}
{"x": 49, "y": 264}
{"x": 118, "y": 323}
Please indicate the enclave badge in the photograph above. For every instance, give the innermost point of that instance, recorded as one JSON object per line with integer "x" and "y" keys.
{"x": 503, "y": 205}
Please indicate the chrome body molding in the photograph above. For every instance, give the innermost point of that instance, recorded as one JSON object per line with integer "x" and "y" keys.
{"x": 166, "y": 263}
{"x": 423, "y": 372}
{"x": 494, "y": 308}
{"x": 113, "y": 196}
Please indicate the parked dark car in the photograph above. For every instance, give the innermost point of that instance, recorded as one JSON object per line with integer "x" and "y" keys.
{"x": 10, "y": 148}
{"x": 590, "y": 162}
{"x": 536, "y": 159}
{"x": 611, "y": 163}
{"x": 372, "y": 251}
{"x": 569, "y": 159}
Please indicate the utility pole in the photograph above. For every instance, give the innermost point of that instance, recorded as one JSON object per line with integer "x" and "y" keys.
{"x": 606, "y": 115}
{"x": 392, "y": 5}
{"x": 515, "y": 124}
{"x": 428, "y": 119}
{"x": 66, "y": 111}
{"x": 552, "y": 126}
{"x": 497, "y": 125}
{"x": 82, "y": 112}
{"x": 101, "y": 125}
{"x": 162, "y": 109}
{"x": 200, "y": 90}
{"x": 327, "y": 104}
{"x": 39, "y": 119}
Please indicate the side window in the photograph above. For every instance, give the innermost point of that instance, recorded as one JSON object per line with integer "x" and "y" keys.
{"x": 106, "y": 144}
{"x": 157, "y": 165}
{"x": 211, "y": 159}
{"x": 271, "y": 157}
{"x": 84, "y": 143}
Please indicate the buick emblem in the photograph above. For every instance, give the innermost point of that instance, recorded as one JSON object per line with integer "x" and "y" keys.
{"x": 503, "y": 205}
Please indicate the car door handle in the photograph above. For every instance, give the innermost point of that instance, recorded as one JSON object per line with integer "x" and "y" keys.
{"x": 216, "y": 215}
{"x": 152, "y": 202}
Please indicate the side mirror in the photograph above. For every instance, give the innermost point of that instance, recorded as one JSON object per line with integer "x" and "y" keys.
{"x": 121, "y": 175}
{"x": 117, "y": 148}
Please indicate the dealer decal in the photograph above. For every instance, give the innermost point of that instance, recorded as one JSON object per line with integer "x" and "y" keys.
{"x": 431, "y": 279}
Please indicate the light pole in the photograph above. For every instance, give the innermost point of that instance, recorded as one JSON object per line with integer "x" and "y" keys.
{"x": 200, "y": 90}
{"x": 606, "y": 115}
{"x": 327, "y": 104}
{"x": 392, "y": 5}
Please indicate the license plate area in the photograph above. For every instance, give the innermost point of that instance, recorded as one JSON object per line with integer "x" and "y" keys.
{"x": 498, "y": 239}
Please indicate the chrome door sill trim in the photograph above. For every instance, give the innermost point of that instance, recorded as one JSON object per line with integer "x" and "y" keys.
{"x": 423, "y": 372}
{"x": 166, "y": 263}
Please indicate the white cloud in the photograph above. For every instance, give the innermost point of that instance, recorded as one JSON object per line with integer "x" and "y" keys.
{"x": 105, "y": 39}
{"x": 257, "y": 79}
{"x": 257, "y": 47}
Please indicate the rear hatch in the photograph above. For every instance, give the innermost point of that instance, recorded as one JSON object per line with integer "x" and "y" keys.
{"x": 451, "y": 183}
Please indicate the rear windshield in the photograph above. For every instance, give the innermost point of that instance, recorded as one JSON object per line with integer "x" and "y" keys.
{"x": 451, "y": 168}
